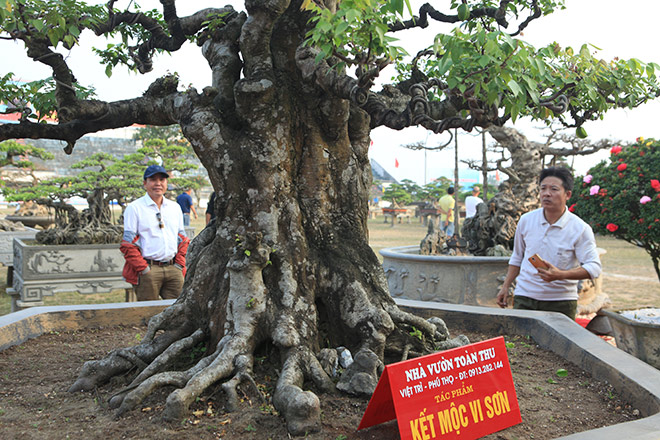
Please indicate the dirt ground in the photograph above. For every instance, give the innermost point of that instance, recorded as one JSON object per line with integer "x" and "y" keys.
{"x": 35, "y": 404}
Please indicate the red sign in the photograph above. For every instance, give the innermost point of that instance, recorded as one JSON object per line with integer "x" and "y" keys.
{"x": 463, "y": 393}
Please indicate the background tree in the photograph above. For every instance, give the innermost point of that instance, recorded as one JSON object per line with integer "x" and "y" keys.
{"x": 522, "y": 161}
{"x": 621, "y": 196}
{"x": 15, "y": 159}
{"x": 436, "y": 189}
{"x": 283, "y": 131}
{"x": 398, "y": 195}
{"x": 103, "y": 180}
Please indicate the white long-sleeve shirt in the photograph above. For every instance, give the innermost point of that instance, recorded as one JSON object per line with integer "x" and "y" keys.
{"x": 567, "y": 244}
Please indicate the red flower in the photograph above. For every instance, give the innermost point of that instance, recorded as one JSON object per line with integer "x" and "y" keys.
{"x": 622, "y": 167}
{"x": 611, "y": 227}
{"x": 655, "y": 184}
{"x": 641, "y": 153}
{"x": 616, "y": 149}
{"x": 572, "y": 207}
{"x": 620, "y": 175}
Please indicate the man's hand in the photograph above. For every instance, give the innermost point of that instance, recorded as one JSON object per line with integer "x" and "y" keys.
{"x": 552, "y": 273}
{"x": 502, "y": 297}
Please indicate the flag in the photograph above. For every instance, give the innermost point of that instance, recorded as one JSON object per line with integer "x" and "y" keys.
{"x": 396, "y": 163}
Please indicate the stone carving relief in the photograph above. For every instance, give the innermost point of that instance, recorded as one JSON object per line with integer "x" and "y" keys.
{"x": 46, "y": 262}
{"x": 103, "y": 264}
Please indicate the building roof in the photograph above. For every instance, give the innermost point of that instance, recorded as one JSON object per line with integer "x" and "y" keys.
{"x": 379, "y": 173}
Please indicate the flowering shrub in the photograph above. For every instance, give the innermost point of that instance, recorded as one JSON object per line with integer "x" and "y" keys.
{"x": 621, "y": 196}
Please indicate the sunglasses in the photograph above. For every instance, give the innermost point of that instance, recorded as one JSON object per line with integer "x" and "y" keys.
{"x": 160, "y": 220}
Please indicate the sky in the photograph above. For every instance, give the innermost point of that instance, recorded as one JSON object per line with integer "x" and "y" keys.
{"x": 619, "y": 29}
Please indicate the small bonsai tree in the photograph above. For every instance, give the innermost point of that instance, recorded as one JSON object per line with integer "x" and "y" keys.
{"x": 104, "y": 179}
{"x": 621, "y": 196}
{"x": 17, "y": 156}
{"x": 398, "y": 195}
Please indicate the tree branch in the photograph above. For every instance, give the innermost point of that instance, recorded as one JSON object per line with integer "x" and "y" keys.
{"x": 178, "y": 27}
{"x": 156, "y": 107}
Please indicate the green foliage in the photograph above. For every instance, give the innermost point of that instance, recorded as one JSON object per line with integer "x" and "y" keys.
{"x": 61, "y": 21}
{"x": 478, "y": 60}
{"x": 35, "y": 99}
{"x": 119, "y": 180}
{"x": 356, "y": 28}
{"x": 397, "y": 194}
{"x": 508, "y": 73}
{"x": 18, "y": 155}
{"x": 621, "y": 196}
{"x": 100, "y": 171}
{"x": 436, "y": 189}
{"x": 120, "y": 54}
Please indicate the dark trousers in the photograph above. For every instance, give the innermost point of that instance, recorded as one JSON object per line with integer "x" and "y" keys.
{"x": 568, "y": 308}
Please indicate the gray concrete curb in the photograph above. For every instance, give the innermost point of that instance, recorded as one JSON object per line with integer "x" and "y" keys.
{"x": 18, "y": 327}
{"x": 636, "y": 381}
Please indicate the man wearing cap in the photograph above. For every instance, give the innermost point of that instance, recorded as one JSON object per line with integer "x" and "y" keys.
{"x": 154, "y": 243}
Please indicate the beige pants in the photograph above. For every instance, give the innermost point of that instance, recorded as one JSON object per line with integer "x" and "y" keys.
{"x": 163, "y": 281}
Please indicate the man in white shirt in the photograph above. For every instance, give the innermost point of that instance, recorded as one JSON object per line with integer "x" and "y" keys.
{"x": 154, "y": 242}
{"x": 472, "y": 201}
{"x": 562, "y": 240}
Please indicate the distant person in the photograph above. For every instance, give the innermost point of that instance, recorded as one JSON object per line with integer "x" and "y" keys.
{"x": 185, "y": 201}
{"x": 446, "y": 205}
{"x": 563, "y": 241}
{"x": 472, "y": 201}
{"x": 210, "y": 209}
{"x": 154, "y": 242}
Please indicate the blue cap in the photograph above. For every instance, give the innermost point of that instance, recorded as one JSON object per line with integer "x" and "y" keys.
{"x": 154, "y": 169}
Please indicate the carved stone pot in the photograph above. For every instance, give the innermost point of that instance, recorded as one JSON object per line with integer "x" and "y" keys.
{"x": 641, "y": 339}
{"x": 449, "y": 279}
{"x": 41, "y": 270}
{"x": 7, "y": 243}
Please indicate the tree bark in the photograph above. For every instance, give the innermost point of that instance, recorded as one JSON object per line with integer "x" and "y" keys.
{"x": 286, "y": 263}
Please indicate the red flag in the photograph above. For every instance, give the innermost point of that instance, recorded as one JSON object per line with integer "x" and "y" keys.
{"x": 396, "y": 163}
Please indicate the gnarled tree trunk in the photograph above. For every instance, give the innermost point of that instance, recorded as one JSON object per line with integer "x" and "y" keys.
{"x": 287, "y": 260}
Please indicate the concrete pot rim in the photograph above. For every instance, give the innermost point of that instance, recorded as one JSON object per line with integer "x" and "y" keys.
{"x": 404, "y": 253}
{"x": 552, "y": 331}
{"x": 626, "y": 320}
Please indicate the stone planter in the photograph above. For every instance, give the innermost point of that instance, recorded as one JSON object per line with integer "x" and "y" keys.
{"x": 440, "y": 278}
{"x": 46, "y": 270}
{"x": 7, "y": 243}
{"x": 640, "y": 339}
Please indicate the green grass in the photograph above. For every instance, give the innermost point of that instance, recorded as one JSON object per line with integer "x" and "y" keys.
{"x": 629, "y": 280}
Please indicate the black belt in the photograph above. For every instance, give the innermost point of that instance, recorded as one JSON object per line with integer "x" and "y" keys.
{"x": 158, "y": 263}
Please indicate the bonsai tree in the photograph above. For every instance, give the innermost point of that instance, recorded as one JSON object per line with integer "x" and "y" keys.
{"x": 16, "y": 156}
{"x": 398, "y": 195}
{"x": 103, "y": 179}
{"x": 283, "y": 131}
{"x": 495, "y": 222}
{"x": 432, "y": 191}
{"x": 621, "y": 196}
